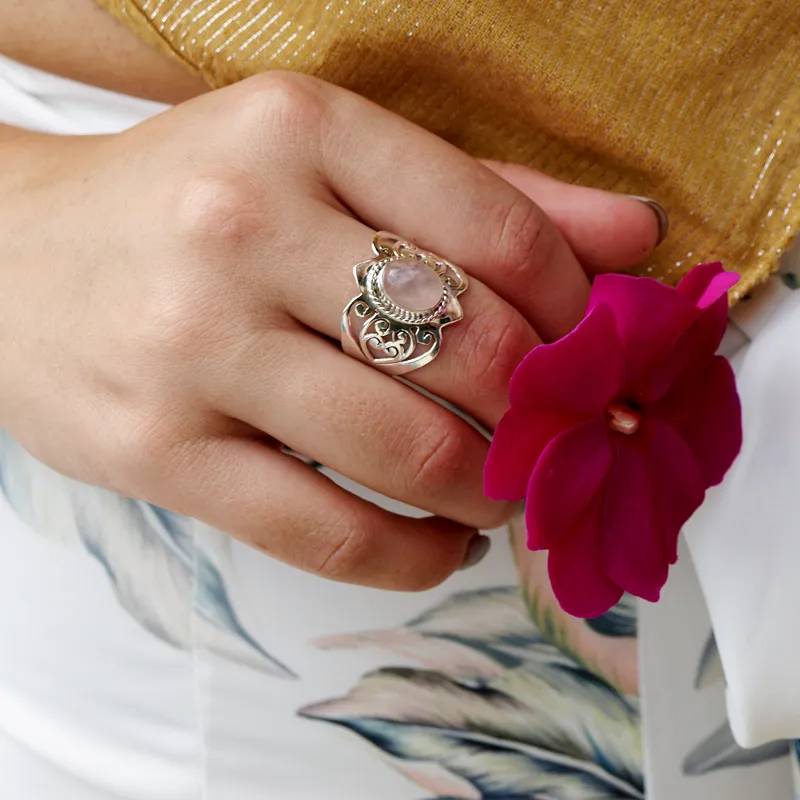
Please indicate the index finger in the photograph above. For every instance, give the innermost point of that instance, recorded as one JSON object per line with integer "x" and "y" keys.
{"x": 396, "y": 176}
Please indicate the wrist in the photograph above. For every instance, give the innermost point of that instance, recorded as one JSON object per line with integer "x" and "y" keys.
{"x": 36, "y": 159}
{"x": 37, "y": 193}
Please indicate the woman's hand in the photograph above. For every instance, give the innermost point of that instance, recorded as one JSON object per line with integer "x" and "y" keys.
{"x": 170, "y": 301}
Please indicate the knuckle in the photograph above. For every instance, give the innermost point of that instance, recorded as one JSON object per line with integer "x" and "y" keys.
{"x": 225, "y": 206}
{"x": 521, "y": 238}
{"x": 436, "y": 455}
{"x": 343, "y": 546}
{"x": 280, "y": 104}
{"x": 493, "y": 346}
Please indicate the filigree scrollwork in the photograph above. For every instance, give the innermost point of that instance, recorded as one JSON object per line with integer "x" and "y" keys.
{"x": 387, "y": 343}
{"x": 376, "y": 329}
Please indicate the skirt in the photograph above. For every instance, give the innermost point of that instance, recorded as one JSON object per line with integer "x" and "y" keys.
{"x": 145, "y": 656}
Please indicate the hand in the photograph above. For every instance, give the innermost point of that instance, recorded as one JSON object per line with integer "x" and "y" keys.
{"x": 171, "y": 303}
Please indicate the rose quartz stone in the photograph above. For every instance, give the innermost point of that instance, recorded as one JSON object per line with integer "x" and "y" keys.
{"x": 411, "y": 284}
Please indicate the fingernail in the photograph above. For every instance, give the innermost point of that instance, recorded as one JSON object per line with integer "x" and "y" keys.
{"x": 477, "y": 549}
{"x": 661, "y": 215}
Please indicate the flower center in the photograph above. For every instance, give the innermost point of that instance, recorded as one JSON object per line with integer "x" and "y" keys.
{"x": 624, "y": 418}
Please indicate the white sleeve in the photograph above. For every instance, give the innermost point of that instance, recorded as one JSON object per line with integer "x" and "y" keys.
{"x": 36, "y": 100}
{"x": 745, "y": 539}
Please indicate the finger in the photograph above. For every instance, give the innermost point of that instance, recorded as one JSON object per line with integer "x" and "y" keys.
{"x": 606, "y": 231}
{"x": 348, "y": 416}
{"x": 479, "y": 354}
{"x": 290, "y": 511}
{"x": 453, "y": 205}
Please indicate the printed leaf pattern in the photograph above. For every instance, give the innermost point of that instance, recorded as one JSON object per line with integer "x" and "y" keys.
{"x": 709, "y": 670}
{"x": 606, "y": 646}
{"x": 719, "y": 750}
{"x": 478, "y": 635}
{"x": 161, "y": 573}
{"x": 495, "y": 709}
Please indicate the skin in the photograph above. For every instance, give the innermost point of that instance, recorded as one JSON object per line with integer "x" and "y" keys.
{"x": 170, "y": 300}
{"x": 79, "y": 40}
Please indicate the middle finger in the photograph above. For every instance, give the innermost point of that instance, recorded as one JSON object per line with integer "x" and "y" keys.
{"x": 479, "y": 353}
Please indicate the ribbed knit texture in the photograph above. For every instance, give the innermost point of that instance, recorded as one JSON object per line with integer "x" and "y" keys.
{"x": 694, "y": 104}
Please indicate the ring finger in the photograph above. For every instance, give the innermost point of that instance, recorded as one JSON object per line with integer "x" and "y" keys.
{"x": 348, "y": 416}
{"x": 479, "y": 353}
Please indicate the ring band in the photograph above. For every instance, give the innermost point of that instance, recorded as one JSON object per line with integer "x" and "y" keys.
{"x": 406, "y": 297}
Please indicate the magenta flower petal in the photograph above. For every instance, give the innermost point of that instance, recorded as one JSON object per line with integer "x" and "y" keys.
{"x": 707, "y": 283}
{"x": 690, "y": 353}
{"x": 708, "y": 286}
{"x": 634, "y": 554}
{"x": 518, "y": 442}
{"x": 649, "y": 318}
{"x": 709, "y": 327}
{"x": 615, "y": 433}
{"x": 676, "y": 482}
{"x": 717, "y": 289}
{"x": 704, "y": 336}
{"x": 575, "y": 568}
{"x": 704, "y": 408}
{"x": 571, "y": 471}
{"x": 584, "y": 369}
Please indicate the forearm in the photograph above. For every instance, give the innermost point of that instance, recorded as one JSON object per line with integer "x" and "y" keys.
{"x": 30, "y": 164}
{"x": 78, "y": 40}
{"x": 18, "y": 172}
{"x": 28, "y": 159}
{"x": 43, "y": 189}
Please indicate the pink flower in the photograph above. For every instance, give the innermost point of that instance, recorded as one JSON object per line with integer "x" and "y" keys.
{"x": 616, "y": 431}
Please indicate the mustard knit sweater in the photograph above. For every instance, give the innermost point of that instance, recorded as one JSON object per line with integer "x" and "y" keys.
{"x": 694, "y": 103}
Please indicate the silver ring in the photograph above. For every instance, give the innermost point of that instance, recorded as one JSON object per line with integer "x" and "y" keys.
{"x": 406, "y": 296}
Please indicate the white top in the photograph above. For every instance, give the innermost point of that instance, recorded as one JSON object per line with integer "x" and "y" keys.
{"x": 145, "y": 656}
{"x": 36, "y": 100}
